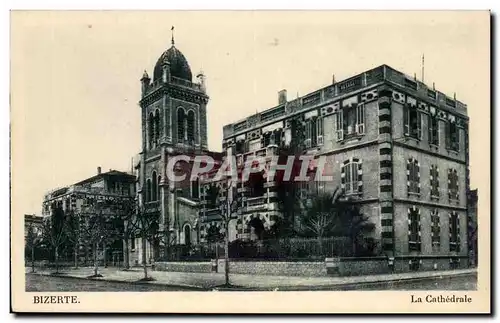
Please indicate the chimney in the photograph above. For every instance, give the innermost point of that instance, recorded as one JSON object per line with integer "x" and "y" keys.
{"x": 282, "y": 97}
{"x": 333, "y": 78}
{"x": 99, "y": 170}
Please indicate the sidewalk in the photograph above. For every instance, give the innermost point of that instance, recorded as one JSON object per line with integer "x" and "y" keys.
{"x": 206, "y": 281}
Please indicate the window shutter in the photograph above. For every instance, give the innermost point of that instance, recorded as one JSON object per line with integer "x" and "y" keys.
{"x": 419, "y": 125}
{"x": 360, "y": 119}
{"x": 406, "y": 114}
{"x": 419, "y": 237}
{"x": 342, "y": 177}
{"x": 360, "y": 176}
{"x": 458, "y": 232}
{"x": 417, "y": 169}
{"x": 408, "y": 179}
{"x": 449, "y": 183}
{"x": 319, "y": 131}
{"x": 339, "y": 124}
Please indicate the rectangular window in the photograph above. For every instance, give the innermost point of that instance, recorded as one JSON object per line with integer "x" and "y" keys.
{"x": 433, "y": 130}
{"x": 360, "y": 119}
{"x": 314, "y": 132}
{"x": 435, "y": 229}
{"x": 452, "y": 136}
{"x": 434, "y": 177}
{"x": 319, "y": 131}
{"x": 454, "y": 232}
{"x": 254, "y": 145}
{"x": 412, "y": 122}
{"x": 453, "y": 185}
{"x": 414, "y": 229}
{"x": 339, "y": 118}
{"x": 413, "y": 175}
{"x": 351, "y": 171}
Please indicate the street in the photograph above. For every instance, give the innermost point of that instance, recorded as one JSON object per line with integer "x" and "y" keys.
{"x": 51, "y": 283}
{"x": 36, "y": 283}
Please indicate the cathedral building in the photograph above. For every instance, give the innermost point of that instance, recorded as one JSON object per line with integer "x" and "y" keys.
{"x": 174, "y": 122}
{"x": 397, "y": 147}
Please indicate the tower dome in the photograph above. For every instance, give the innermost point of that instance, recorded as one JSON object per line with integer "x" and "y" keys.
{"x": 179, "y": 67}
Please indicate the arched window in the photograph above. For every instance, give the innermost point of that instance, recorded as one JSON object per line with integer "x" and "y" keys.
{"x": 187, "y": 235}
{"x": 148, "y": 190}
{"x": 154, "y": 194}
{"x": 151, "y": 130}
{"x": 181, "y": 117}
{"x": 157, "y": 126}
{"x": 159, "y": 190}
{"x": 190, "y": 127}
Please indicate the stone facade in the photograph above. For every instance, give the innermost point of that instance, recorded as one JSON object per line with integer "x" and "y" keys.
{"x": 404, "y": 146}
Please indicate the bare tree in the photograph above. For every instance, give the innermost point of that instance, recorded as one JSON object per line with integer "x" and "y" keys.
{"x": 33, "y": 240}
{"x": 73, "y": 232}
{"x": 97, "y": 227}
{"x": 228, "y": 204}
{"x": 53, "y": 233}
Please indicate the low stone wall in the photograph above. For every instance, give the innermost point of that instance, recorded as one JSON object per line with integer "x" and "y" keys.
{"x": 190, "y": 267}
{"x": 343, "y": 266}
{"x": 363, "y": 266}
{"x": 277, "y": 268}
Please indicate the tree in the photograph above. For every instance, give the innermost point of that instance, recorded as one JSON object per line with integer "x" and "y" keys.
{"x": 96, "y": 227}
{"x": 33, "y": 240}
{"x": 228, "y": 204}
{"x": 320, "y": 218}
{"x": 334, "y": 215}
{"x": 53, "y": 233}
{"x": 73, "y": 233}
{"x": 124, "y": 215}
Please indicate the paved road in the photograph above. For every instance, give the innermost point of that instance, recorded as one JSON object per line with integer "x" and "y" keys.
{"x": 47, "y": 283}
{"x": 463, "y": 282}
{"x": 36, "y": 283}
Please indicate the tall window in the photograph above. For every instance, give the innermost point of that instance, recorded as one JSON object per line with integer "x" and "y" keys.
{"x": 351, "y": 176}
{"x": 190, "y": 127}
{"x": 154, "y": 194}
{"x": 452, "y": 184}
{"x": 414, "y": 230}
{"x": 434, "y": 176}
{"x": 433, "y": 130}
{"x": 435, "y": 229}
{"x": 452, "y": 137}
{"x": 413, "y": 175}
{"x": 151, "y": 130}
{"x": 157, "y": 128}
{"x": 195, "y": 189}
{"x": 412, "y": 122}
{"x": 180, "y": 124}
{"x": 314, "y": 132}
{"x": 158, "y": 188}
{"x": 454, "y": 232}
{"x": 148, "y": 190}
{"x": 350, "y": 121}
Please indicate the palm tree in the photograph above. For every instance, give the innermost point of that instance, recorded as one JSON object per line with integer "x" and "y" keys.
{"x": 334, "y": 215}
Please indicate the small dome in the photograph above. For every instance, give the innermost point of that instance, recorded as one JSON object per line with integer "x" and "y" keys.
{"x": 179, "y": 66}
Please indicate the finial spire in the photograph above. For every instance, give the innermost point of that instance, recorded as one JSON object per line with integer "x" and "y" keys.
{"x": 172, "y": 30}
{"x": 423, "y": 67}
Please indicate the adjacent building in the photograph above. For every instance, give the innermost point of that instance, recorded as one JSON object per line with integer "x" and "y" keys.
{"x": 73, "y": 200}
{"x": 397, "y": 147}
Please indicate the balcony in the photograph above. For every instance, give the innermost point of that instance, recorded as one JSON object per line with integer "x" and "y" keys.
{"x": 185, "y": 83}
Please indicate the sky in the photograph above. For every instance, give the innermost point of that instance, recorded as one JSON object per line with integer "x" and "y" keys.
{"x": 75, "y": 76}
